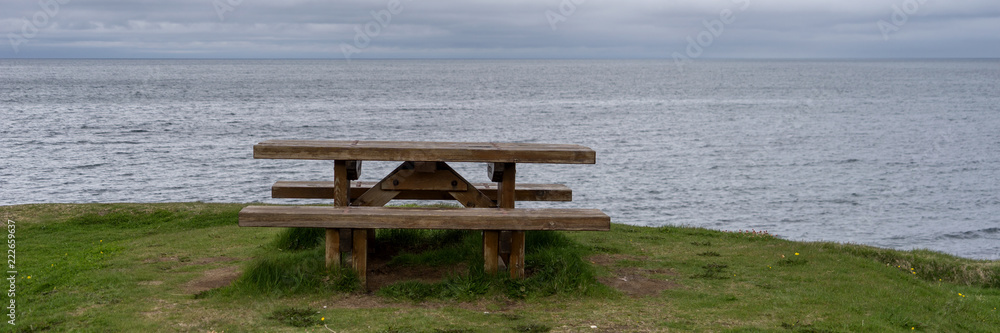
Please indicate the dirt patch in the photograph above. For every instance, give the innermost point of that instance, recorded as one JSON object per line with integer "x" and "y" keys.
{"x": 360, "y": 301}
{"x": 608, "y": 260}
{"x": 381, "y": 275}
{"x": 188, "y": 261}
{"x": 211, "y": 279}
{"x": 633, "y": 281}
{"x": 80, "y": 311}
{"x": 370, "y": 301}
{"x": 159, "y": 308}
{"x": 598, "y": 329}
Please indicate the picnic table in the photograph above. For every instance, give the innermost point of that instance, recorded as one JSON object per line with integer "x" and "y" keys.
{"x": 424, "y": 174}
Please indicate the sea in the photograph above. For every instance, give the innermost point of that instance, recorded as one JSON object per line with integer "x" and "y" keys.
{"x": 899, "y": 154}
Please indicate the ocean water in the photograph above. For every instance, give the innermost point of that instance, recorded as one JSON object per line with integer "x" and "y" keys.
{"x": 900, "y": 154}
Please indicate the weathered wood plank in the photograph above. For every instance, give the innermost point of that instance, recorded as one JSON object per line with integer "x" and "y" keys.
{"x": 324, "y": 190}
{"x": 425, "y": 151}
{"x": 438, "y": 180}
{"x": 424, "y": 218}
{"x": 375, "y": 197}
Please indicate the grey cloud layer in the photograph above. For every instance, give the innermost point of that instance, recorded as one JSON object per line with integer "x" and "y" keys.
{"x": 427, "y": 28}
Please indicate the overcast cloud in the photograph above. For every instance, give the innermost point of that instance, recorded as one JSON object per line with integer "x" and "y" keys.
{"x": 500, "y": 29}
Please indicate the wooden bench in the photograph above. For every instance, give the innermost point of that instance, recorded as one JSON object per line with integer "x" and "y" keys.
{"x": 425, "y": 218}
{"x": 324, "y": 190}
{"x": 363, "y": 219}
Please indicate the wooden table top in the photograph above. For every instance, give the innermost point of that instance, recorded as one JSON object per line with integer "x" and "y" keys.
{"x": 488, "y": 152}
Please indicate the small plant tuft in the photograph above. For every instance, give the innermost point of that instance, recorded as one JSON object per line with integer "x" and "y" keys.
{"x": 297, "y": 317}
{"x": 347, "y": 281}
{"x": 713, "y": 271}
{"x": 532, "y": 328}
{"x": 789, "y": 262}
{"x": 300, "y": 238}
{"x": 511, "y": 316}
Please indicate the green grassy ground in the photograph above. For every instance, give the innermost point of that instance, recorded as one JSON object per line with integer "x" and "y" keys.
{"x": 188, "y": 267}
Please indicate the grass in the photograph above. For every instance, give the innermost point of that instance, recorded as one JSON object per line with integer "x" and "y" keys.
{"x": 154, "y": 267}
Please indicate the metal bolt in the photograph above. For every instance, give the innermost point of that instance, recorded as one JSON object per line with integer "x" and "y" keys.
{"x": 395, "y": 182}
{"x": 454, "y": 183}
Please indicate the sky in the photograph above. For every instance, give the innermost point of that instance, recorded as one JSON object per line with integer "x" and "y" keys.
{"x": 358, "y": 29}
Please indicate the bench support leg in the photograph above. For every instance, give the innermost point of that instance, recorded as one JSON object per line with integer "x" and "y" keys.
{"x": 505, "y": 249}
{"x": 332, "y": 249}
{"x": 517, "y": 255}
{"x": 491, "y": 247}
{"x": 360, "y": 255}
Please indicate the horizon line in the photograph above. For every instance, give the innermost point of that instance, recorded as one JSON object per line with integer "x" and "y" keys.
{"x": 517, "y": 58}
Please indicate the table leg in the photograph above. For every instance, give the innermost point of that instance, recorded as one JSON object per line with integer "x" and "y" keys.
{"x": 332, "y": 249}
{"x": 504, "y": 249}
{"x": 371, "y": 241}
{"x": 506, "y": 200}
{"x": 360, "y": 255}
{"x": 491, "y": 242}
{"x": 340, "y": 199}
{"x": 517, "y": 255}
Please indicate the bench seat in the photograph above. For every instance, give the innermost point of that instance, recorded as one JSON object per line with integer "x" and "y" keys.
{"x": 424, "y": 218}
{"x": 286, "y": 189}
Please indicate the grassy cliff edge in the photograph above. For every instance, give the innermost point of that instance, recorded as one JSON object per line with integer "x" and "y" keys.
{"x": 189, "y": 267}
